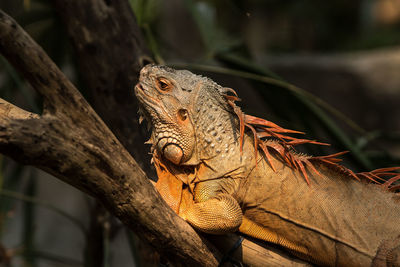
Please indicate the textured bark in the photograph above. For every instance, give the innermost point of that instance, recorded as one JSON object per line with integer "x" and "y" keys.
{"x": 110, "y": 52}
{"x": 70, "y": 141}
{"x": 254, "y": 253}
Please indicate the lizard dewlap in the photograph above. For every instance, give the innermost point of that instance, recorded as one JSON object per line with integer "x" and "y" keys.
{"x": 224, "y": 171}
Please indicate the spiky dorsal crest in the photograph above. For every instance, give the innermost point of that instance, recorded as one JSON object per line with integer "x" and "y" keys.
{"x": 284, "y": 146}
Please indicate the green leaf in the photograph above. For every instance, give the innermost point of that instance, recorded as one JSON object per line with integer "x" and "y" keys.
{"x": 215, "y": 39}
{"x": 315, "y": 105}
{"x": 146, "y": 11}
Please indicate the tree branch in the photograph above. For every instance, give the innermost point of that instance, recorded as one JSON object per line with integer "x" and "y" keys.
{"x": 110, "y": 52}
{"x": 10, "y": 111}
{"x": 25, "y": 55}
{"x": 71, "y": 142}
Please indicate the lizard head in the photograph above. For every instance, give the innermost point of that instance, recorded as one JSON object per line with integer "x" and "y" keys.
{"x": 184, "y": 111}
{"x": 166, "y": 105}
{"x": 195, "y": 122}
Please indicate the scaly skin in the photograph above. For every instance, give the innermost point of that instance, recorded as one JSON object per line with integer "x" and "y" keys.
{"x": 211, "y": 173}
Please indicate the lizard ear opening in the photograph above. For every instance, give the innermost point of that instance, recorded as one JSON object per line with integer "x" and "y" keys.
{"x": 182, "y": 114}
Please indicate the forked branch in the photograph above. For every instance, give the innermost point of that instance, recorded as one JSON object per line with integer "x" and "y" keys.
{"x": 71, "y": 142}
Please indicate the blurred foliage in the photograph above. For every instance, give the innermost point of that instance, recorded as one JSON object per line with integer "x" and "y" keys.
{"x": 147, "y": 12}
{"x": 216, "y": 38}
{"x": 290, "y": 105}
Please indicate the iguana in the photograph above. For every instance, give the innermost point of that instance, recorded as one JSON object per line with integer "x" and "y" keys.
{"x": 225, "y": 171}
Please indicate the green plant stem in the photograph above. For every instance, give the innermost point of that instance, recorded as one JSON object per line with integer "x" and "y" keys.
{"x": 312, "y": 102}
{"x": 272, "y": 81}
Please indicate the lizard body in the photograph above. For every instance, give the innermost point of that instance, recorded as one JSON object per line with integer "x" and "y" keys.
{"x": 221, "y": 178}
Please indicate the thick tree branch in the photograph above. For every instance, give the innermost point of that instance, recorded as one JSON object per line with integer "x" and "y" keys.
{"x": 256, "y": 253}
{"x": 110, "y": 52}
{"x": 10, "y": 111}
{"x": 24, "y": 54}
{"x": 71, "y": 142}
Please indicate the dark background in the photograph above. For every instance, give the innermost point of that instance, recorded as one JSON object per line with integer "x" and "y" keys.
{"x": 273, "y": 53}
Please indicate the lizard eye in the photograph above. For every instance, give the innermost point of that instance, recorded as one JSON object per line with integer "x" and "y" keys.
{"x": 182, "y": 114}
{"x": 163, "y": 84}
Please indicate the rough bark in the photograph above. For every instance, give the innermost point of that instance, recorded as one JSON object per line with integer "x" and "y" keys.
{"x": 110, "y": 51}
{"x": 70, "y": 141}
{"x": 255, "y": 253}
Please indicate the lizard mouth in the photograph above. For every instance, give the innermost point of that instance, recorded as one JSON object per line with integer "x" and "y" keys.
{"x": 173, "y": 143}
{"x": 144, "y": 97}
{"x": 149, "y": 106}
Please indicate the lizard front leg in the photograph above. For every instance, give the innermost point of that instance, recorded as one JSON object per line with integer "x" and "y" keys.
{"x": 211, "y": 210}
